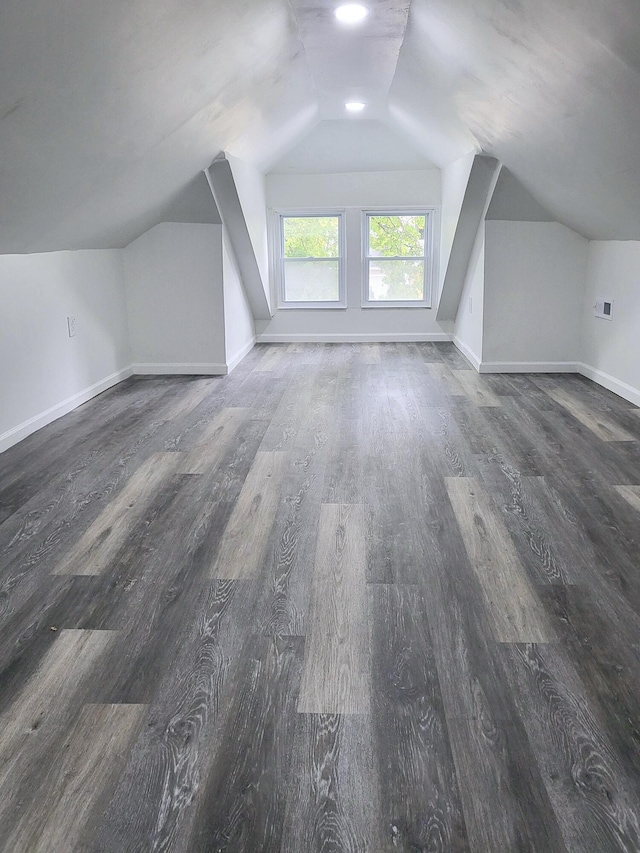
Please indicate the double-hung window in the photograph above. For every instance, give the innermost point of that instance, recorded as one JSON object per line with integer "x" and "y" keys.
{"x": 397, "y": 258}
{"x": 310, "y": 260}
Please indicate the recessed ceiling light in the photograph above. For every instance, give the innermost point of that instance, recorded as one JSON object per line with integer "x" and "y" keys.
{"x": 355, "y": 106}
{"x": 351, "y": 13}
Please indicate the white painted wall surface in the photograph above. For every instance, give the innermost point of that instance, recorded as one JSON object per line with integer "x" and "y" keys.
{"x": 455, "y": 177}
{"x": 251, "y": 188}
{"x": 240, "y": 332}
{"x": 535, "y": 275}
{"x": 174, "y": 299}
{"x": 611, "y": 348}
{"x": 469, "y": 319}
{"x": 346, "y": 189}
{"x": 354, "y": 191}
{"x": 44, "y": 373}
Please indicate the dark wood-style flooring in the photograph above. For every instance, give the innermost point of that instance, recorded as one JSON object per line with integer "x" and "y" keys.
{"x": 351, "y": 597}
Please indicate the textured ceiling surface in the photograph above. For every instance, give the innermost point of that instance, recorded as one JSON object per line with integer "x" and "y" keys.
{"x": 108, "y": 111}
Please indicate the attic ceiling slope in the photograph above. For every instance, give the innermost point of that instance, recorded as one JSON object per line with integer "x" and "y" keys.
{"x": 351, "y": 63}
{"x": 109, "y": 110}
{"x": 550, "y": 88}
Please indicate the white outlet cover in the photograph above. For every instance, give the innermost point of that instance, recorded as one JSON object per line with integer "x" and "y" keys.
{"x": 71, "y": 326}
{"x": 604, "y": 308}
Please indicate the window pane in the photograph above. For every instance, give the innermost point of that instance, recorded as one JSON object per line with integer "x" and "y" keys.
{"x": 311, "y": 236}
{"x": 395, "y": 236}
{"x": 311, "y": 281}
{"x": 396, "y": 281}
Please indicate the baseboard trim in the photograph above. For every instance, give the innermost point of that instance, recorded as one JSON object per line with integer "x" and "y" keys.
{"x": 467, "y": 352}
{"x": 180, "y": 369}
{"x": 369, "y": 337}
{"x": 235, "y": 360}
{"x": 529, "y": 367}
{"x": 622, "y": 389}
{"x": 26, "y": 428}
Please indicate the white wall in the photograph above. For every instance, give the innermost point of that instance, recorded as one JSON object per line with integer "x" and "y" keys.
{"x": 455, "y": 177}
{"x": 251, "y": 188}
{"x": 354, "y": 190}
{"x": 470, "y": 317}
{"x": 238, "y": 320}
{"x": 175, "y": 299}
{"x": 535, "y": 275}
{"x": 45, "y": 373}
{"x": 610, "y": 350}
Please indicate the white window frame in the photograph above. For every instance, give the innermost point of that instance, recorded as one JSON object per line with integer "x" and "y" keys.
{"x": 429, "y": 257}
{"x": 277, "y": 244}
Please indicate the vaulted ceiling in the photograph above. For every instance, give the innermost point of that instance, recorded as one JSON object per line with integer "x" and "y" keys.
{"x": 108, "y": 111}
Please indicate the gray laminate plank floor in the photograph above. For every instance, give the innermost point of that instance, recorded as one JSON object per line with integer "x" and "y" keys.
{"x": 348, "y": 598}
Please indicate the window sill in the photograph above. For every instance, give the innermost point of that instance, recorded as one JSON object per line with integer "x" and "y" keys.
{"x": 391, "y": 304}
{"x": 312, "y": 306}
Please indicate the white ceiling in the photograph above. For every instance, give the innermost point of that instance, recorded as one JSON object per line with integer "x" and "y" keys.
{"x": 550, "y": 87}
{"x": 108, "y": 111}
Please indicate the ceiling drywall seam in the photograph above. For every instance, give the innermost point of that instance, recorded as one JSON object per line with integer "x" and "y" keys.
{"x": 225, "y": 194}
{"x": 300, "y": 42}
{"x": 480, "y": 186}
{"x": 351, "y": 63}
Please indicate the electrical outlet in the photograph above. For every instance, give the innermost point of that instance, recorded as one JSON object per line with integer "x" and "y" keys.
{"x": 604, "y": 309}
{"x": 71, "y": 325}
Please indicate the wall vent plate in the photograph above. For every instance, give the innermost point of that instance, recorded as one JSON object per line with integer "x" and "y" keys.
{"x": 604, "y": 309}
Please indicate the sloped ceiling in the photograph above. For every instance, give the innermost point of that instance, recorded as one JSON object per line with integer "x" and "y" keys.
{"x": 550, "y": 87}
{"x": 108, "y": 111}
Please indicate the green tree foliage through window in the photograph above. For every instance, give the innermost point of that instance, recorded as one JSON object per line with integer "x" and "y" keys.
{"x": 311, "y": 258}
{"x": 396, "y": 236}
{"x": 396, "y": 265}
{"x": 311, "y": 237}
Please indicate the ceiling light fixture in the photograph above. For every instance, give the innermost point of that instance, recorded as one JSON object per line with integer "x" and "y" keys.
{"x": 351, "y": 13}
{"x": 355, "y": 106}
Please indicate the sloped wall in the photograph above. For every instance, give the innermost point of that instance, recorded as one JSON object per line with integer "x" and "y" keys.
{"x": 468, "y": 328}
{"x": 251, "y": 188}
{"x": 239, "y": 329}
{"x": 455, "y": 177}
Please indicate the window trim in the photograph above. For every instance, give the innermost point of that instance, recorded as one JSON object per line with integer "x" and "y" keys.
{"x": 429, "y": 257}
{"x": 278, "y": 266}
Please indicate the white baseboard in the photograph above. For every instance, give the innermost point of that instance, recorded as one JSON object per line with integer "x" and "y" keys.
{"x": 26, "y": 428}
{"x": 235, "y": 360}
{"x": 179, "y": 369}
{"x": 622, "y": 389}
{"x": 467, "y": 352}
{"x": 349, "y": 338}
{"x": 529, "y": 367}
